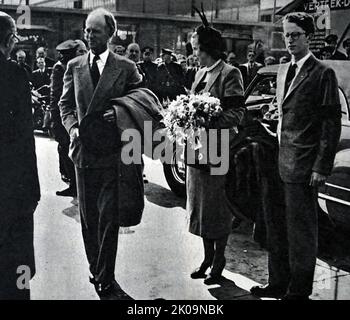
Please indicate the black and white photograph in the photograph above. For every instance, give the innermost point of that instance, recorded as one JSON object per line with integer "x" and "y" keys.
{"x": 190, "y": 151}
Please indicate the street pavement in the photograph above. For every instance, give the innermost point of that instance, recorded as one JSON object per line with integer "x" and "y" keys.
{"x": 156, "y": 258}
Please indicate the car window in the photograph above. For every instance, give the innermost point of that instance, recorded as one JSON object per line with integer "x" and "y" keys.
{"x": 264, "y": 88}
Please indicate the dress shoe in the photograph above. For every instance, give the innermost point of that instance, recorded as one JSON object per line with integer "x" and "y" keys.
{"x": 268, "y": 291}
{"x": 69, "y": 192}
{"x": 199, "y": 273}
{"x": 112, "y": 291}
{"x": 295, "y": 297}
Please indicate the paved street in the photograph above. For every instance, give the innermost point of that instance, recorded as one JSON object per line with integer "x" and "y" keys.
{"x": 155, "y": 260}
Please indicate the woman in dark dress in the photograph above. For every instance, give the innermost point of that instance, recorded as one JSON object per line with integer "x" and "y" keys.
{"x": 207, "y": 204}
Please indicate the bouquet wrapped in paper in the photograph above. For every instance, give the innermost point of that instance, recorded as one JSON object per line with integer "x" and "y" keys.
{"x": 187, "y": 116}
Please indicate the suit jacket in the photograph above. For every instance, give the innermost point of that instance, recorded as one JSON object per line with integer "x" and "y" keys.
{"x": 79, "y": 99}
{"x": 249, "y": 76}
{"x": 309, "y": 121}
{"x": 18, "y": 166}
{"x": 225, "y": 83}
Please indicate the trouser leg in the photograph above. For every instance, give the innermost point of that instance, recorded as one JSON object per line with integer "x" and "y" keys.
{"x": 17, "y": 265}
{"x": 97, "y": 191}
{"x": 301, "y": 212}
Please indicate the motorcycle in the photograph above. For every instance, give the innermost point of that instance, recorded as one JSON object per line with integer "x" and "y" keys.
{"x": 40, "y": 109}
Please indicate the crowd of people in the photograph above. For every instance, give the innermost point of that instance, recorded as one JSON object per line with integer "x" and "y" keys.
{"x": 87, "y": 85}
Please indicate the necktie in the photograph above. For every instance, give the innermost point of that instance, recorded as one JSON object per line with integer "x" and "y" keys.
{"x": 95, "y": 73}
{"x": 290, "y": 76}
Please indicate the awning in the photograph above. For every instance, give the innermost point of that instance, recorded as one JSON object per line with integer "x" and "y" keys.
{"x": 290, "y": 7}
{"x": 34, "y": 27}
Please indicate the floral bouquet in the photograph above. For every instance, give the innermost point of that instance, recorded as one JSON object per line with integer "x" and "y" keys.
{"x": 187, "y": 116}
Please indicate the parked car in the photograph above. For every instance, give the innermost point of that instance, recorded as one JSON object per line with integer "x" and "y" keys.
{"x": 334, "y": 197}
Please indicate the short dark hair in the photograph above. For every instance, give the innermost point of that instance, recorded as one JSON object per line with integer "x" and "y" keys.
{"x": 6, "y": 24}
{"x": 111, "y": 23}
{"x": 302, "y": 20}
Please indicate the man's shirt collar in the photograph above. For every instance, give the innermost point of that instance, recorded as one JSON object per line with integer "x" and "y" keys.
{"x": 301, "y": 62}
{"x": 103, "y": 56}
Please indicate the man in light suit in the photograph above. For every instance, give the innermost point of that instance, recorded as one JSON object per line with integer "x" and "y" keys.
{"x": 309, "y": 131}
{"x": 110, "y": 193}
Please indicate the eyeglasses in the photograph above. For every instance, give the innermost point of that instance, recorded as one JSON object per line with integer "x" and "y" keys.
{"x": 293, "y": 35}
{"x": 14, "y": 36}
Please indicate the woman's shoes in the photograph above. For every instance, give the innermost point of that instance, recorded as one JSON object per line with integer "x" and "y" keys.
{"x": 199, "y": 273}
{"x": 214, "y": 276}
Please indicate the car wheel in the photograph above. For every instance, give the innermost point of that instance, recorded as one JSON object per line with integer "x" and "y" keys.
{"x": 175, "y": 175}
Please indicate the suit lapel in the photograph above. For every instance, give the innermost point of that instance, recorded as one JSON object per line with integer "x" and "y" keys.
{"x": 213, "y": 76}
{"x": 302, "y": 75}
{"x": 85, "y": 80}
{"x": 199, "y": 76}
{"x": 282, "y": 80}
{"x": 108, "y": 77}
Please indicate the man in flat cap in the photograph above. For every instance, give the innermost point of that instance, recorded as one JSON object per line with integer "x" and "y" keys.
{"x": 170, "y": 81}
{"x": 110, "y": 192}
{"x": 149, "y": 68}
{"x": 346, "y": 46}
{"x": 331, "y": 41}
{"x": 19, "y": 183}
{"x": 67, "y": 50}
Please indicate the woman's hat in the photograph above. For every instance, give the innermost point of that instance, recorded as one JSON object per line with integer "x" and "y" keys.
{"x": 209, "y": 38}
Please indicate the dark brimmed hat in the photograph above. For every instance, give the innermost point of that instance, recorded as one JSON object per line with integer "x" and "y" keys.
{"x": 209, "y": 39}
{"x": 331, "y": 38}
{"x": 68, "y": 45}
{"x": 167, "y": 51}
{"x": 346, "y": 43}
{"x": 99, "y": 136}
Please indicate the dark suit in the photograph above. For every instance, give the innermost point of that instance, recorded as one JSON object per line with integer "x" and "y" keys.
{"x": 19, "y": 183}
{"x": 249, "y": 72}
{"x": 149, "y": 70}
{"x": 40, "y": 79}
{"x": 110, "y": 192}
{"x": 57, "y": 128}
{"x": 309, "y": 130}
{"x": 170, "y": 81}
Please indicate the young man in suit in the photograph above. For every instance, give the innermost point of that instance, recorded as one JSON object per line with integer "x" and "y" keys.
{"x": 19, "y": 183}
{"x": 309, "y": 130}
{"x": 105, "y": 183}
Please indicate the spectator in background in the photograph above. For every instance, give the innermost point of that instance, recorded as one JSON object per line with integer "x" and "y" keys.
{"x": 231, "y": 59}
{"x": 331, "y": 41}
{"x": 21, "y": 61}
{"x": 41, "y": 52}
{"x": 270, "y": 60}
{"x": 67, "y": 51}
{"x": 346, "y": 46}
{"x": 284, "y": 59}
{"x": 41, "y": 77}
{"x": 249, "y": 69}
{"x": 192, "y": 62}
{"x": 133, "y": 52}
{"x": 326, "y": 53}
{"x": 170, "y": 80}
{"x": 149, "y": 68}
{"x": 189, "y": 74}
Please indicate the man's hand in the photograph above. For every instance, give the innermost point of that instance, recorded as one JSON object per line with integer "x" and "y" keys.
{"x": 110, "y": 116}
{"x": 317, "y": 179}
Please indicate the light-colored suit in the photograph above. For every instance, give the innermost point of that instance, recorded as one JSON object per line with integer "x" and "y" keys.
{"x": 110, "y": 192}
{"x": 79, "y": 99}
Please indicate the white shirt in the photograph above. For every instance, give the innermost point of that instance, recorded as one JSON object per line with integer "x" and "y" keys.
{"x": 100, "y": 62}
